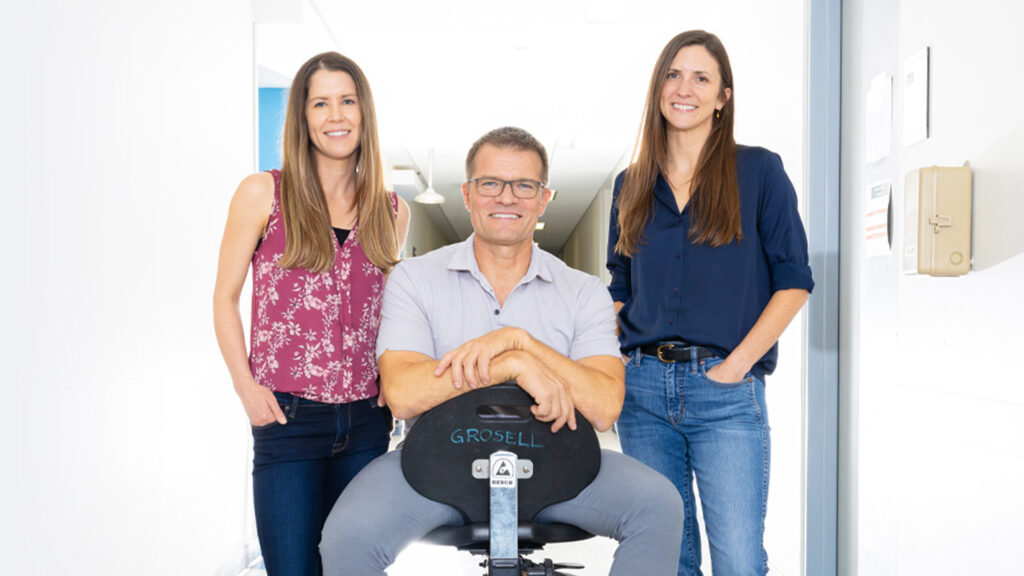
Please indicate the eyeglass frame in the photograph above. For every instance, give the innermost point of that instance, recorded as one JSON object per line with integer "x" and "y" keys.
{"x": 473, "y": 183}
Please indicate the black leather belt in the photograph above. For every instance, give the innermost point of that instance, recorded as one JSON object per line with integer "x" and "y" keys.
{"x": 676, "y": 352}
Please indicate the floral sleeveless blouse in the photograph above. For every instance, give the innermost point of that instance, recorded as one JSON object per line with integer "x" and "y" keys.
{"x": 313, "y": 334}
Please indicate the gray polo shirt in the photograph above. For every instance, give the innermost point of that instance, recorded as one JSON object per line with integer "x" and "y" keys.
{"x": 436, "y": 302}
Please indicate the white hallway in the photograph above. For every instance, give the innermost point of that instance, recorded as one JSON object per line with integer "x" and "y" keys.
{"x": 127, "y": 126}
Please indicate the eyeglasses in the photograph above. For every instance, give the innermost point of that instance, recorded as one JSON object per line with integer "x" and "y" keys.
{"x": 495, "y": 186}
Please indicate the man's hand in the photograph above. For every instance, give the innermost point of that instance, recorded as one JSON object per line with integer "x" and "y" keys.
{"x": 470, "y": 362}
{"x": 553, "y": 400}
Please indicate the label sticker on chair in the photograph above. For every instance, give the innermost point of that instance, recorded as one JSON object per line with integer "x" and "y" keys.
{"x": 503, "y": 473}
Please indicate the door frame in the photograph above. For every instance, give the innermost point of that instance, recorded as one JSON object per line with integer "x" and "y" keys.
{"x": 821, "y": 383}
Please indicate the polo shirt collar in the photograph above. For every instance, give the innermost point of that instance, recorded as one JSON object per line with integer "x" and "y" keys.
{"x": 538, "y": 266}
{"x": 464, "y": 260}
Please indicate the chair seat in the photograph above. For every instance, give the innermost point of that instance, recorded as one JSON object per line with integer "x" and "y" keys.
{"x": 531, "y": 536}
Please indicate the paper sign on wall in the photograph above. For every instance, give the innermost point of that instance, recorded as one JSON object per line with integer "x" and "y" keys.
{"x": 876, "y": 220}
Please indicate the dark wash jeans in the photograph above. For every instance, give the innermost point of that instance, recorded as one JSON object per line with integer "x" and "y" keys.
{"x": 300, "y": 469}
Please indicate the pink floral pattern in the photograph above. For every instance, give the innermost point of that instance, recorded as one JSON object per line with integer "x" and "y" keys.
{"x": 313, "y": 334}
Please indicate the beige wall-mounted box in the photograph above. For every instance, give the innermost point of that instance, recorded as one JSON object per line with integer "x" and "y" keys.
{"x": 937, "y": 221}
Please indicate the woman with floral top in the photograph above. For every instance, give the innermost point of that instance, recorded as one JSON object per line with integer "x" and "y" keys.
{"x": 320, "y": 235}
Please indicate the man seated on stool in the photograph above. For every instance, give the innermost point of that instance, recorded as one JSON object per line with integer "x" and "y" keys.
{"x": 487, "y": 310}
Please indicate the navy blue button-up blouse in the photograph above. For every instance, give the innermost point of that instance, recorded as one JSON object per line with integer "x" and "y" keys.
{"x": 673, "y": 289}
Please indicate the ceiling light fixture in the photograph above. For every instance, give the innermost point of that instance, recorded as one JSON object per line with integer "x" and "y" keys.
{"x": 429, "y": 196}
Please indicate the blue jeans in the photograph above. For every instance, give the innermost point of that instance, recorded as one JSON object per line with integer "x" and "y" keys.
{"x": 300, "y": 469}
{"x": 687, "y": 426}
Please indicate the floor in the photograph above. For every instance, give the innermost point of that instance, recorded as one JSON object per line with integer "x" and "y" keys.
{"x": 427, "y": 560}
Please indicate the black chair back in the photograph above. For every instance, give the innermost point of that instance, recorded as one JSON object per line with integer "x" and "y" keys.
{"x": 438, "y": 454}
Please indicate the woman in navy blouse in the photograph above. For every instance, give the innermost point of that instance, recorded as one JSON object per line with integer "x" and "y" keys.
{"x": 709, "y": 265}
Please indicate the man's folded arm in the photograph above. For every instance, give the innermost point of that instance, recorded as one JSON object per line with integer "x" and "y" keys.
{"x": 596, "y": 383}
{"x": 410, "y": 387}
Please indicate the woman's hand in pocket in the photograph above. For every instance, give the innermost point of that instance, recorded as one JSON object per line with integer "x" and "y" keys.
{"x": 723, "y": 374}
{"x": 260, "y": 405}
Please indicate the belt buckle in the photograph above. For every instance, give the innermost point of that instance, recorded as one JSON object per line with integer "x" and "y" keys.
{"x": 663, "y": 347}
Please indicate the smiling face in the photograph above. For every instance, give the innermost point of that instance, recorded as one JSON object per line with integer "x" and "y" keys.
{"x": 505, "y": 219}
{"x": 692, "y": 91}
{"x": 333, "y": 116}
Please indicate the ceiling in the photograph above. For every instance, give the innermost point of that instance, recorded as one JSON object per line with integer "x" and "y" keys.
{"x": 443, "y": 72}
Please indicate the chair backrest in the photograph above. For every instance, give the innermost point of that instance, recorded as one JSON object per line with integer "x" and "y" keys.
{"x": 439, "y": 452}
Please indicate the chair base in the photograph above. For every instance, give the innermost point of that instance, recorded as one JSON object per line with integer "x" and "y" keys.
{"x": 524, "y": 567}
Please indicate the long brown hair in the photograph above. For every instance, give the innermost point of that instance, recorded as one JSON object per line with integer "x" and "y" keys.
{"x": 309, "y": 242}
{"x": 715, "y": 199}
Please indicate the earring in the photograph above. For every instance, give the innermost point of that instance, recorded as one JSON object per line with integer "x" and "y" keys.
{"x": 718, "y": 114}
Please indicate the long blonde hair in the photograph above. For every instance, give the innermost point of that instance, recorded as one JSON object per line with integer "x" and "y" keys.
{"x": 308, "y": 238}
{"x": 715, "y": 203}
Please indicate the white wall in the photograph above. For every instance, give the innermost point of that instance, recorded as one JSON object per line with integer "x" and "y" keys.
{"x": 424, "y": 235}
{"x": 127, "y": 126}
{"x": 932, "y": 406}
{"x": 586, "y": 248}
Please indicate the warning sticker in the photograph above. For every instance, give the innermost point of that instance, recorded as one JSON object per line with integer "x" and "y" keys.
{"x": 503, "y": 473}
